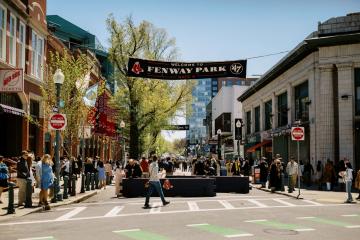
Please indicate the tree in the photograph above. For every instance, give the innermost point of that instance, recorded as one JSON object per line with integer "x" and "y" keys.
{"x": 145, "y": 105}
{"x": 75, "y": 70}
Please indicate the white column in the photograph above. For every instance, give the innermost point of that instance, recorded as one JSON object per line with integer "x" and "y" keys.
{"x": 346, "y": 108}
{"x": 325, "y": 116}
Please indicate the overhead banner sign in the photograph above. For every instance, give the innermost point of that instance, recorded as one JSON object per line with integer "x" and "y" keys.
{"x": 185, "y": 70}
{"x": 11, "y": 80}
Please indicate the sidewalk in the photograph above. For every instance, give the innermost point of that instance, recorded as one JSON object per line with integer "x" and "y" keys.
{"x": 22, "y": 211}
{"x": 313, "y": 194}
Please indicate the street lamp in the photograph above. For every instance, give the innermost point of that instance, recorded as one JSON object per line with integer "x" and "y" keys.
{"x": 58, "y": 80}
{"x": 219, "y": 143}
{"x": 122, "y": 127}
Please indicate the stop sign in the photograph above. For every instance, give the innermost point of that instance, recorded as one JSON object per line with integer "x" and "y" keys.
{"x": 57, "y": 121}
{"x": 298, "y": 133}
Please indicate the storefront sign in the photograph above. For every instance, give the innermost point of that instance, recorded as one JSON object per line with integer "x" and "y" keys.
{"x": 11, "y": 80}
{"x": 183, "y": 70}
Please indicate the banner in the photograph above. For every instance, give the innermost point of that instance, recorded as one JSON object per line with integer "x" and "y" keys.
{"x": 185, "y": 70}
{"x": 11, "y": 80}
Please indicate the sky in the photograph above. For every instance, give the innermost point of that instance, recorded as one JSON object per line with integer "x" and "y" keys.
{"x": 214, "y": 30}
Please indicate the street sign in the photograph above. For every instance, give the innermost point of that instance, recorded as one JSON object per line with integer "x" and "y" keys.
{"x": 238, "y": 128}
{"x": 57, "y": 121}
{"x": 298, "y": 133}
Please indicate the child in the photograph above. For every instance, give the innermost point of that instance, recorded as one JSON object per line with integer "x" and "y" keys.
{"x": 102, "y": 177}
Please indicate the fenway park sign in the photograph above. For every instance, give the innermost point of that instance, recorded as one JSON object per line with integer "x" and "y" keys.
{"x": 185, "y": 70}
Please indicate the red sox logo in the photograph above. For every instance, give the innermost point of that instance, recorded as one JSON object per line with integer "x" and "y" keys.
{"x": 137, "y": 68}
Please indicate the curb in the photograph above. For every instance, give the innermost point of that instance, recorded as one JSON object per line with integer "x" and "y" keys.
{"x": 52, "y": 205}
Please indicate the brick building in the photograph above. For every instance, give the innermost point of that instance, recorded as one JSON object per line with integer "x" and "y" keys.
{"x": 23, "y": 34}
{"x": 318, "y": 83}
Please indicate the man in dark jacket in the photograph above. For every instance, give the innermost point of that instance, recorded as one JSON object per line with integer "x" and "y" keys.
{"x": 22, "y": 174}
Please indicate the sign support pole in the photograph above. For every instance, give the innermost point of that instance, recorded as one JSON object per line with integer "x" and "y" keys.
{"x": 298, "y": 157}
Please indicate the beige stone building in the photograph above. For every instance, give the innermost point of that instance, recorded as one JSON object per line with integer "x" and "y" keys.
{"x": 318, "y": 83}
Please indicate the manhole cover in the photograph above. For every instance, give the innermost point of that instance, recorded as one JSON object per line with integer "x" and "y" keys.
{"x": 280, "y": 231}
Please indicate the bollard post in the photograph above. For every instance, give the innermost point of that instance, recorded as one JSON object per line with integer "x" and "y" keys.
{"x": 66, "y": 182}
{"x": 54, "y": 199}
{"x": 28, "y": 194}
{"x": 11, "y": 208}
{"x": 82, "y": 183}
{"x": 73, "y": 185}
{"x": 88, "y": 181}
{"x": 97, "y": 180}
{"x": 92, "y": 180}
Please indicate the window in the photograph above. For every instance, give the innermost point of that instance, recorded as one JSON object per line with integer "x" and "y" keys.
{"x": 21, "y": 52}
{"x": 2, "y": 32}
{"x": 301, "y": 102}
{"x": 238, "y": 82}
{"x": 282, "y": 110}
{"x": 257, "y": 119}
{"x": 357, "y": 91}
{"x": 12, "y": 40}
{"x": 248, "y": 122}
{"x": 268, "y": 115}
{"x": 37, "y": 55}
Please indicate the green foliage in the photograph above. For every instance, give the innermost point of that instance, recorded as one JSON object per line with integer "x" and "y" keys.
{"x": 145, "y": 105}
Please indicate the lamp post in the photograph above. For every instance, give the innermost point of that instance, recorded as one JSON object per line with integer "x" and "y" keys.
{"x": 122, "y": 127}
{"x": 219, "y": 143}
{"x": 58, "y": 80}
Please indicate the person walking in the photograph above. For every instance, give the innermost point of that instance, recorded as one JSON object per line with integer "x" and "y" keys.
{"x": 348, "y": 177}
{"x": 264, "y": 171}
{"x": 235, "y": 168}
{"x": 329, "y": 174}
{"x": 46, "y": 180}
{"x": 154, "y": 183}
{"x": 319, "y": 174}
{"x": 102, "y": 176}
{"x": 22, "y": 174}
{"x": 292, "y": 170}
{"x": 4, "y": 175}
{"x": 119, "y": 175}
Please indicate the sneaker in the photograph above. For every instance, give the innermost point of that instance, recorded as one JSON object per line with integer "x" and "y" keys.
{"x": 47, "y": 207}
{"x": 146, "y": 206}
{"x": 166, "y": 203}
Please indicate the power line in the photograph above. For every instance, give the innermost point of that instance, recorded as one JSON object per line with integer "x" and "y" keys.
{"x": 267, "y": 55}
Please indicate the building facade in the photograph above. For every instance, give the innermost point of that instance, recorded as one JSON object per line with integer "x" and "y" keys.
{"x": 23, "y": 34}
{"x": 316, "y": 85}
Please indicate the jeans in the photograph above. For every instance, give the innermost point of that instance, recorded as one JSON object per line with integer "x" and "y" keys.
{"x": 154, "y": 185}
{"x": 348, "y": 190}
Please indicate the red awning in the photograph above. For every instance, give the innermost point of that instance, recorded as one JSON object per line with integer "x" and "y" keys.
{"x": 256, "y": 146}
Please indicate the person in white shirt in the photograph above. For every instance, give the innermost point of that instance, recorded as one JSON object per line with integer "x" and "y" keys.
{"x": 154, "y": 183}
{"x": 348, "y": 181}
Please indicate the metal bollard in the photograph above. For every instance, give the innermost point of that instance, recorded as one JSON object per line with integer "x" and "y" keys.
{"x": 97, "y": 180}
{"x": 66, "y": 182}
{"x": 92, "y": 180}
{"x": 11, "y": 208}
{"x": 54, "y": 198}
{"x": 88, "y": 181}
{"x": 82, "y": 183}
{"x": 73, "y": 185}
{"x": 28, "y": 194}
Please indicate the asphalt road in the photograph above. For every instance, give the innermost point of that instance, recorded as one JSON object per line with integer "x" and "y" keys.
{"x": 255, "y": 216}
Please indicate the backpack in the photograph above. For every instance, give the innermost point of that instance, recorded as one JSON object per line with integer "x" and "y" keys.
{"x": 3, "y": 171}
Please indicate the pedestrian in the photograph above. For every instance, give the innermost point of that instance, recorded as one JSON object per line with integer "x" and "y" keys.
{"x": 319, "y": 174}
{"x": 292, "y": 170}
{"x": 357, "y": 183}
{"x": 102, "y": 176}
{"x": 348, "y": 177}
{"x": 119, "y": 175}
{"x": 235, "y": 168}
{"x": 108, "y": 172}
{"x": 329, "y": 174}
{"x": 76, "y": 166}
{"x": 22, "y": 174}
{"x": 154, "y": 183}
{"x": 264, "y": 169}
{"x": 308, "y": 173}
{"x": 275, "y": 176}
{"x": 4, "y": 176}
{"x": 144, "y": 164}
{"x": 46, "y": 180}
{"x": 89, "y": 167}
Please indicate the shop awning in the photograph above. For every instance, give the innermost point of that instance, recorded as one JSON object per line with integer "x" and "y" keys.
{"x": 256, "y": 146}
{"x": 11, "y": 110}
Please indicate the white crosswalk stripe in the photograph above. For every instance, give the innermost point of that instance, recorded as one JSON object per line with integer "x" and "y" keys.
{"x": 284, "y": 202}
{"x": 71, "y": 214}
{"x": 193, "y": 206}
{"x": 156, "y": 207}
{"x": 257, "y": 203}
{"x": 114, "y": 211}
{"x": 226, "y": 204}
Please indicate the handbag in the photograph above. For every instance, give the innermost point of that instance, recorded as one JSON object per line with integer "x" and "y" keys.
{"x": 167, "y": 184}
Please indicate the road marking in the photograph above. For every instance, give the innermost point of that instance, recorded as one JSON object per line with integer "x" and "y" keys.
{"x": 257, "y": 203}
{"x": 312, "y": 202}
{"x": 279, "y": 225}
{"x": 283, "y": 202}
{"x": 70, "y": 214}
{"x": 166, "y": 212}
{"x": 226, "y": 232}
{"x": 139, "y": 234}
{"x": 353, "y": 226}
{"x": 329, "y": 222}
{"x": 193, "y": 206}
{"x": 114, "y": 211}
{"x": 226, "y": 204}
{"x": 350, "y": 215}
{"x": 38, "y": 238}
{"x": 156, "y": 207}
{"x": 61, "y": 209}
